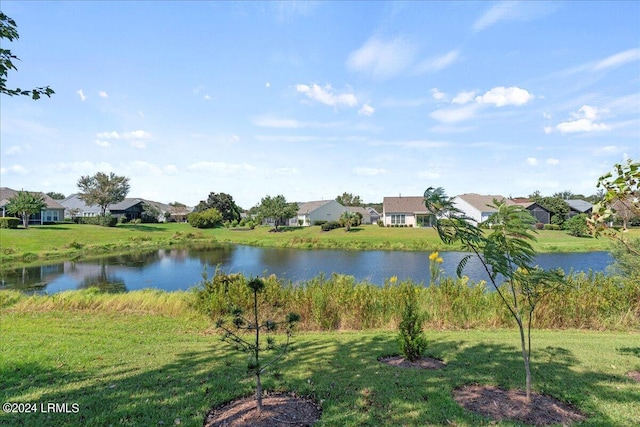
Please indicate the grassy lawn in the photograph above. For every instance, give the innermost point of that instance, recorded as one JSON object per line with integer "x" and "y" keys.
{"x": 149, "y": 369}
{"x": 41, "y": 243}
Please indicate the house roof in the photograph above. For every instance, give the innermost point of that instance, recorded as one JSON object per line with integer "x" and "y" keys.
{"x": 579, "y": 205}
{"x": 129, "y": 202}
{"x": 7, "y": 193}
{"x": 363, "y": 211}
{"x": 412, "y": 204}
{"x": 482, "y": 201}
{"x": 308, "y": 207}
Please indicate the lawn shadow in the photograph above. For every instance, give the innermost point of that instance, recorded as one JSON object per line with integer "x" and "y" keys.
{"x": 140, "y": 227}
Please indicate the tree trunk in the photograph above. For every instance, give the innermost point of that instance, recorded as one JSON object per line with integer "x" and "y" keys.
{"x": 25, "y": 219}
{"x": 525, "y": 357}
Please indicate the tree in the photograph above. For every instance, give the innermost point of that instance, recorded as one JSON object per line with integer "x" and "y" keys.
{"x": 25, "y": 204}
{"x": 103, "y": 190}
{"x": 347, "y": 219}
{"x": 277, "y": 209}
{"x": 565, "y": 195}
{"x": 55, "y": 196}
{"x": 223, "y": 203}
{"x": 504, "y": 252}
{"x": 9, "y": 31}
{"x": 348, "y": 199}
{"x": 254, "y": 345}
{"x": 577, "y": 225}
{"x": 150, "y": 212}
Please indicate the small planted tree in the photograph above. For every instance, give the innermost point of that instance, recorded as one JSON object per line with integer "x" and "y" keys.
{"x": 248, "y": 335}
{"x": 505, "y": 252}
{"x": 411, "y": 338}
{"x": 347, "y": 219}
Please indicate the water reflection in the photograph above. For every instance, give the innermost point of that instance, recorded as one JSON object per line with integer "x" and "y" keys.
{"x": 180, "y": 269}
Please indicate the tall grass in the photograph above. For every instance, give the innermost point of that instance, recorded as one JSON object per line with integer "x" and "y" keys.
{"x": 339, "y": 302}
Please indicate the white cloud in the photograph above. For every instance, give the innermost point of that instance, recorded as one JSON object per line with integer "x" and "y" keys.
{"x": 382, "y": 59}
{"x": 267, "y": 85}
{"x": 546, "y": 115}
{"x": 501, "y": 96}
{"x": 360, "y": 171}
{"x": 84, "y": 168}
{"x": 532, "y": 161}
{"x": 208, "y": 97}
{"x": 103, "y": 94}
{"x": 437, "y": 94}
{"x": 14, "y": 170}
{"x": 14, "y": 149}
{"x": 439, "y": 63}
{"x": 170, "y": 169}
{"x": 81, "y": 95}
{"x": 512, "y": 11}
{"x": 428, "y": 175}
{"x": 366, "y": 110}
{"x": 553, "y": 162}
{"x": 138, "y": 143}
{"x": 221, "y": 168}
{"x": 108, "y": 135}
{"x": 102, "y": 143}
{"x": 454, "y": 115}
{"x": 585, "y": 121}
{"x": 326, "y": 96}
{"x": 141, "y": 168}
{"x": 463, "y": 97}
{"x": 618, "y": 59}
{"x": 548, "y": 130}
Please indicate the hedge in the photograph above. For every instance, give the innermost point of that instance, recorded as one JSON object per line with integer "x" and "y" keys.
{"x": 9, "y": 222}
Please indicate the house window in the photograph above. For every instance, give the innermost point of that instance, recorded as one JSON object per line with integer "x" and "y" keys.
{"x": 398, "y": 219}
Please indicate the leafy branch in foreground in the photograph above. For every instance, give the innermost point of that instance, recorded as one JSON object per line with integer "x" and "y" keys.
{"x": 9, "y": 31}
{"x": 621, "y": 194}
{"x": 245, "y": 335}
{"x": 504, "y": 252}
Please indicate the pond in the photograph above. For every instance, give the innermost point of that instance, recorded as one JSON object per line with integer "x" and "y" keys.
{"x": 180, "y": 269}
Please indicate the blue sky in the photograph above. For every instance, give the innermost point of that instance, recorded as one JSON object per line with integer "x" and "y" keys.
{"x": 310, "y": 100}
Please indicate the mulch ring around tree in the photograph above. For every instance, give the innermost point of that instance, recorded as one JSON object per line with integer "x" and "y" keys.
{"x": 634, "y": 375}
{"x": 422, "y": 363}
{"x": 278, "y": 409}
{"x": 498, "y": 404}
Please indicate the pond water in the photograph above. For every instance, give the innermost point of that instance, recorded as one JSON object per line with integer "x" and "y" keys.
{"x": 180, "y": 269}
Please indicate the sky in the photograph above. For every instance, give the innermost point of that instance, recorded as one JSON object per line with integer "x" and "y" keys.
{"x": 313, "y": 99}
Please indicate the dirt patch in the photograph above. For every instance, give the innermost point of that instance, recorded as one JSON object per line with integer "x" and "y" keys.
{"x": 498, "y": 404}
{"x": 422, "y": 363}
{"x": 277, "y": 410}
{"x": 634, "y": 375}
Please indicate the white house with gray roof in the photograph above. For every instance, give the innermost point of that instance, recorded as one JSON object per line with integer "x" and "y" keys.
{"x": 477, "y": 206}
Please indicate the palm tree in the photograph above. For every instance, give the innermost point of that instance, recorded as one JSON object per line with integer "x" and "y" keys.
{"x": 347, "y": 219}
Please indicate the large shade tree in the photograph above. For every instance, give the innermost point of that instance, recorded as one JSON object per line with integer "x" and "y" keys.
{"x": 277, "y": 208}
{"x": 24, "y": 204}
{"x": 9, "y": 32}
{"x": 223, "y": 203}
{"x": 348, "y": 199}
{"x": 103, "y": 190}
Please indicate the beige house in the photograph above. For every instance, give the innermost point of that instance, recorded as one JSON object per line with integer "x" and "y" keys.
{"x": 407, "y": 211}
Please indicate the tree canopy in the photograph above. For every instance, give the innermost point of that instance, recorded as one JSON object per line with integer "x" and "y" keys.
{"x": 277, "y": 208}
{"x": 223, "y": 203}
{"x": 9, "y": 31}
{"x": 103, "y": 190}
{"x": 348, "y": 199}
{"x": 26, "y": 204}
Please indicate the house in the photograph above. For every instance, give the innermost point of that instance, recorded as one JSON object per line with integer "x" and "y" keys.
{"x": 76, "y": 207}
{"x": 132, "y": 208}
{"x": 321, "y": 210}
{"x": 374, "y": 214}
{"x": 577, "y": 207}
{"x": 53, "y": 211}
{"x": 541, "y": 214}
{"x": 409, "y": 211}
{"x": 477, "y": 206}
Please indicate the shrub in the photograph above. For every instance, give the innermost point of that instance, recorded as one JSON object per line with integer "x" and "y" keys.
{"x": 551, "y": 227}
{"x": 539, "y": 226}
{"x": 577, "y": 225}
{"x": 102, "y": 220}
{"x": 208, "y": 218}
{"x": 9, "y": 222}
{"x": 380, "y": 223}
{"x": 319, "y": 222}
{"x": 331, "y": 225}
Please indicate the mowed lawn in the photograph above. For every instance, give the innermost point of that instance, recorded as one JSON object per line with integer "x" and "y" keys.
{"x": 149, "y": 369}
{"x": 38, "y": 243}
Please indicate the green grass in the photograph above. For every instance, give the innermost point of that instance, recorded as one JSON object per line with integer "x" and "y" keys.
{"x": 66, "y": 241}
{"x": 153, "y": 368}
